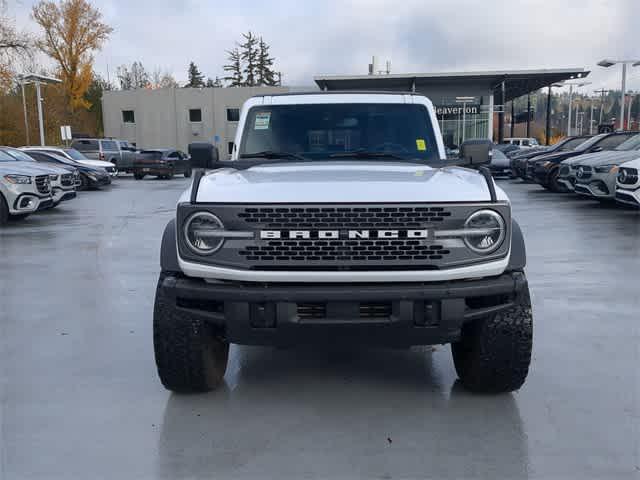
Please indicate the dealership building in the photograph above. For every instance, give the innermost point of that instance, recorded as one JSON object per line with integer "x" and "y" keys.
{"x": 467, "y": 104}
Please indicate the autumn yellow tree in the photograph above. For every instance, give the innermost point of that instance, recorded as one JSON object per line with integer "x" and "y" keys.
{"x": 72, "y": 31}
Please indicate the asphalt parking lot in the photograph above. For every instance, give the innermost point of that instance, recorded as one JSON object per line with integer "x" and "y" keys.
{"x": 80, "y": 396}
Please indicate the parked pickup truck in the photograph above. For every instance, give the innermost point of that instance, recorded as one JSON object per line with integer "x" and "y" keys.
{"x": 119, "y": 152}
{"x": 338, "y": 220}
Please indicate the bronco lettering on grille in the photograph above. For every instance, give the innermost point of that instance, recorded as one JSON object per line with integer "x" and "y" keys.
{"x": 335, "y": 234}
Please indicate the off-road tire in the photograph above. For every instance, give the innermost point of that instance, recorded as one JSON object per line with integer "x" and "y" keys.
{"x": 494, "y": 353}
{"x": 190, "y": 357}
{"x": 4, "y": 211}
{"x": 138, "y": 175}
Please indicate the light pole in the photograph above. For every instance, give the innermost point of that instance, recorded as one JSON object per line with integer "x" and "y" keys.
{"x": 37, "y": 80}
{"x": 571, "y": 85}
{"x": 547, "y": 127}
{"x": 631, "y": 95}
{"x": 610, "y": 63}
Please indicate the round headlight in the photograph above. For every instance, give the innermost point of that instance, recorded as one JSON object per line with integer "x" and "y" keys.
{"x": 486, "y": 231}
{"x": 202, "y": 233}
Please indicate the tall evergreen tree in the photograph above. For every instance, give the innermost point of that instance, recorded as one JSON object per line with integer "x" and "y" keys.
{"x": 250, "y": 58}
{"x": 196, "y": 79}
{"x": 234, "y": 67}
{"x": 211, "y": 83}
{"x": 266, "y": 75}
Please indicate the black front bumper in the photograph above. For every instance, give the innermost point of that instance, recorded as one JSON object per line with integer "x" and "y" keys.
{"x": 154, "y": 169}
{"x": 540, "y": 175}
{"x": 100, "y": 181}
{"x": 384, "y": 314}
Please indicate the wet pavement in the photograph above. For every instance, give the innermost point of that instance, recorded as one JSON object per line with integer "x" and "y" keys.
{"x": 81, "y": 400}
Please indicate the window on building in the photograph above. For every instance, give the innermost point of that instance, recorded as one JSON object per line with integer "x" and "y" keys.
{"x": 195, "y": 115}
{"x": 128, "y": 116}
{"x": 230, "y": 148}
{"x": 233, "y": 114}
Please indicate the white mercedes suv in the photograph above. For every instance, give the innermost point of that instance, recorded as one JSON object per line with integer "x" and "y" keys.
{"x": 24, "y": 188}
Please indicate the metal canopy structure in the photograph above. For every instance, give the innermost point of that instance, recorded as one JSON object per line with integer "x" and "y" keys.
{"x": 502, "y": 85}
{"x": 517, "y": 82}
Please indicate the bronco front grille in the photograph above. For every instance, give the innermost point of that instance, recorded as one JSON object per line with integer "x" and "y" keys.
{"x": 43, "y": 184}
{"x": 338, "y": 237}
{"x": 344, "y": 217}
{"x": 344, "y": 250}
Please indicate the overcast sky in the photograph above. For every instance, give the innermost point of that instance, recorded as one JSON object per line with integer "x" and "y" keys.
{"x": 340, "y": 36}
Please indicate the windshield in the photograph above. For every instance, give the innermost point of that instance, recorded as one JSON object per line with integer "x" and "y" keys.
{"x": 632, "y": 143}
{"x": 5, "y": 157}
{"x": 75, "y": 154}
{"x": 58, "y": 158}
{"x": 16, "y": 155}
{"x": 150, "y": 154}
{"x": 591, "y": 142}
{"x": 571, "y": 143}
{"x": 319, "y": 131}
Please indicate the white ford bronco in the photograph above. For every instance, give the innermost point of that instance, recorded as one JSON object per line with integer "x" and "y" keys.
{"x": 339, "y": 219}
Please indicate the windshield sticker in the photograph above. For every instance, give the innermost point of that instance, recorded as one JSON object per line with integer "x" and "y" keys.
{"x": 421, "y": 145}
{"x": 262, "y": 121}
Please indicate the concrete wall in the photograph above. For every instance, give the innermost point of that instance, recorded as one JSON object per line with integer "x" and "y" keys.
{"x": 162, "y": 116}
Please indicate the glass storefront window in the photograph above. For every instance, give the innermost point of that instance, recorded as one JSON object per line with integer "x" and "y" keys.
{"x": 462, "y": 118}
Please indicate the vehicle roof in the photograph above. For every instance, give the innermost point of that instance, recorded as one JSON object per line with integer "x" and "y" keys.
{"x": 37, "y": 147}
{"x": 339, "y": 92}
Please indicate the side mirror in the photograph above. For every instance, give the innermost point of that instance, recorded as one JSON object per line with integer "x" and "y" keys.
{"x": 596, "y": 149}
{"x": 203, "y": 155}
{"x": 476, "y": 152}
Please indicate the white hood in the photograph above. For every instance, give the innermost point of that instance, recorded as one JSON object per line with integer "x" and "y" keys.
{"x": 343, "y": 182}
{"x": 96, "y": 163}
{"x": 30, "y": 168}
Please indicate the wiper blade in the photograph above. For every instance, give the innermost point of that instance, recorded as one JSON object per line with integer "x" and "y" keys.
{"x": 365, "y": 154}
{"x": 271, "y": 154}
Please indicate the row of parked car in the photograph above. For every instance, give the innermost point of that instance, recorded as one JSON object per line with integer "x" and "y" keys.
{"x": 162, "y": 162}
{"x": 603, "y": 167}
{"x": 39, "y": 178}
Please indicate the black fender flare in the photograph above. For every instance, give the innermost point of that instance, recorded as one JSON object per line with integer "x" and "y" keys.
{"x": 168, "y": 249}
{"x": 518, "y": 256}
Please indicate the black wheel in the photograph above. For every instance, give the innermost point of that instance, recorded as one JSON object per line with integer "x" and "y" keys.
{"x": 494, "y": 353}
{"x": 189, "y": 355}
{"x": 170, "y": 175}
{"x": 138, "y": 175}
{"x": 4, "y": 210}
{"x": 187, "y": 173}
{"x": 554, "y": 185}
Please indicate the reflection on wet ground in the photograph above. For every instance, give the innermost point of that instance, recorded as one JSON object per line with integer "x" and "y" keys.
{"x": 80, "y": 397}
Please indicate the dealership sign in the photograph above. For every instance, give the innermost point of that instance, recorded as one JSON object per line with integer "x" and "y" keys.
{"x": 456, "y": 110}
